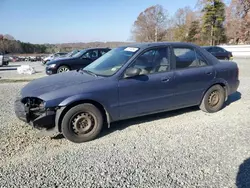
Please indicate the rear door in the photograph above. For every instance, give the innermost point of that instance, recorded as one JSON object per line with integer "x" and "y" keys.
{"x": 87, "y": 58}
{"x": 193, "y": 74}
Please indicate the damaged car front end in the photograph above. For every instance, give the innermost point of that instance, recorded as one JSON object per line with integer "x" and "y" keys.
{"x": 32, "y": 110}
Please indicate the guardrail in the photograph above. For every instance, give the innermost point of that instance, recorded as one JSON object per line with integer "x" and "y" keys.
{"x": 238, "y": 50}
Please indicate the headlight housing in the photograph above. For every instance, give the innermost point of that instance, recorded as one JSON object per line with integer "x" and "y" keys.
{"x": 52, "y": 66}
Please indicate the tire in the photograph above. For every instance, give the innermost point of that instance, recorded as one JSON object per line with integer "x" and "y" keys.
{"x": 63, "y": 68}
{"x": 82, "y": 123}
{"x": 213, "y": 100}
{"x": 226, "y": 58}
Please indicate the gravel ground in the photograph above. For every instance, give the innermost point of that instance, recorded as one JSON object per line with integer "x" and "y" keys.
{"x": 184, "y": 148}
{"x": 10, "y": 71}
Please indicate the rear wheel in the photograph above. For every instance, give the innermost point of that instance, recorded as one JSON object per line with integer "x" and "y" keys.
{"x": 63, "y": 69}
{"x": 82, "y": 123}
{"x": 213, "y": 99}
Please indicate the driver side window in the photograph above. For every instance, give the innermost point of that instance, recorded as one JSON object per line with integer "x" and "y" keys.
{"x": 153, "y": 61}
{"x": 92, "y": 54}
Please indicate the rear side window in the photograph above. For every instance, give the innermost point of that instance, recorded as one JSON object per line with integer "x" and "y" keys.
{"x": 188, "y": 58}
{"x": 103, "y": 51}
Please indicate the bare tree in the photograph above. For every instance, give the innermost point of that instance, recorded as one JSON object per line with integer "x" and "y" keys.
{"x": 182, "y": 20}
{"x": 243, "y": 7}
{"x": 151, "y": 25}
{"x": 238, "y": 21}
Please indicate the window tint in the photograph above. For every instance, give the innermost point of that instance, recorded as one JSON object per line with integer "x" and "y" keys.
{"x": 152, "y": 61}
{"x": 217, "y": 49}
{"x": 103, "y": 51}
{"x": 188, "y": 58}
{"x": 91, "y": 54}
{"x": 220, "y": 49}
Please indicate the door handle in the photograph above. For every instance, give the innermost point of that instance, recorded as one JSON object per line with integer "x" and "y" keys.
{"x": 208, "y": 73}
{"x": 166, "y": 79}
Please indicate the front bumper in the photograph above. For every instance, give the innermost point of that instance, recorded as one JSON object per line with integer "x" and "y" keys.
{"x": 50, "y": 71}
{"x": 45, "y": 120}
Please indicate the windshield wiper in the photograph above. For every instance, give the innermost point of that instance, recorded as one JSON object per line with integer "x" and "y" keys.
{"x": 89, "y": 72}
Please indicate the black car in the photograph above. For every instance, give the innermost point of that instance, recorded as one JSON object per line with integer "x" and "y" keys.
{"x": 79, "y": 60}
{"x": 219, "y": 53}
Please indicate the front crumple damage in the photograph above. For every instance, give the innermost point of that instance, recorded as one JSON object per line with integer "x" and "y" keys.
{"x": 34, "y": 112}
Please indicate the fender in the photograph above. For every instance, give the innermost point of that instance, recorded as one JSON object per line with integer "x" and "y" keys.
{"x": 219, "y": 81}
{"x": 82, "y": 97}
{"x": 75, "y": 98}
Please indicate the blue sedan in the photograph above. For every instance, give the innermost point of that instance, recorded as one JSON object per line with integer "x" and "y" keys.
{"x": 127, "y": 82}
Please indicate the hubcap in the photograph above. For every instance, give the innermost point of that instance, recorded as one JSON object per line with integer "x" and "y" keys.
{"x": 63, "y": 69}
{"x": 83, "y": 123}
{"x": 214, "y": 98}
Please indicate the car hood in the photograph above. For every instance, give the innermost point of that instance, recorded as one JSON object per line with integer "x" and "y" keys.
{"x": 58, "y": 82}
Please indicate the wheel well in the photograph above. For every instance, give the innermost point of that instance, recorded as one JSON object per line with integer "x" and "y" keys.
{"x": 96, "y": 104}
{"x": 222, "y": 85}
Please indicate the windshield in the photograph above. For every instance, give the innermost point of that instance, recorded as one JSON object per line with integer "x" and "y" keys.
{"x": 112, "y": 61}
{"x": 72, "y": 53}
{"x": 80, "y": 53}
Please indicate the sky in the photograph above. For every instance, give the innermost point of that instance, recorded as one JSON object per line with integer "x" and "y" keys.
{"x": 60, "y": 21}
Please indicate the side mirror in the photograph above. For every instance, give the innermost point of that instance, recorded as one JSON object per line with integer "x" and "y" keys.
{"x": 132, "y": 71}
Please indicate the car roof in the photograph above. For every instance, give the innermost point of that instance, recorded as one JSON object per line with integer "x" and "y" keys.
{"x": 155, "y": 44}
{"x": 98, "y": 48}
{"x": 211, "y": 46}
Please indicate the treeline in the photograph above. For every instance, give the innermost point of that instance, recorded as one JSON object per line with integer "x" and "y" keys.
{"x": 211, "y": 22}
{"x": 10, "y": 45}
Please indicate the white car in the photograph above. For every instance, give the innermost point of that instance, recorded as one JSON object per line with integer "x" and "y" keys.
{"x": 2, "y": 62}
{"x": 1, "y": 59}
{"x": 53, "y": 56}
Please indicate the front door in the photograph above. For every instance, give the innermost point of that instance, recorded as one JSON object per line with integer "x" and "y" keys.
{"x": 152, "y": 90}
{"x": 193, "y": 75}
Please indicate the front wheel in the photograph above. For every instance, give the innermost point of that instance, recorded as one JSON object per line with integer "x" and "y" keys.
{"x": 82, "y": 123}
{"x": 213, "y": 99}
{"x": 63, "y": 69}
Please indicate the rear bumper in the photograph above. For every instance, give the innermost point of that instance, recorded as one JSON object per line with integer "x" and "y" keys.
{"x": 234, "y": 87}
{"x": 44, "y": 121}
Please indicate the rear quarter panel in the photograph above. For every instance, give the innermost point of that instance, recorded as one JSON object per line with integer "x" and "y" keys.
{"x": 227, "y": 72}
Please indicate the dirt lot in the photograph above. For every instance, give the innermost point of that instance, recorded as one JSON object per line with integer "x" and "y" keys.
{"x": 184, "y": 148}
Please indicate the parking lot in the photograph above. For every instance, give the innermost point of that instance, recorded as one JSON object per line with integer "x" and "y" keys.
{"x": 183, "y": 148}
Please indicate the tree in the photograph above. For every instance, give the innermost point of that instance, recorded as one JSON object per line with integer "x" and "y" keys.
{"x": 238, "y": 22}
{"x": 213, "y": 21}
{"x": 182, "y": 22}
{"x": 151, "y": 25}
{"x": 243, "y": 7}
{"x": 194, "y": 32}
{"x": 8, "y": 37}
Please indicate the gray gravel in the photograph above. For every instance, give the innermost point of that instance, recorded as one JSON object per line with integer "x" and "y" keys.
{"x": 184, "y": 148}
